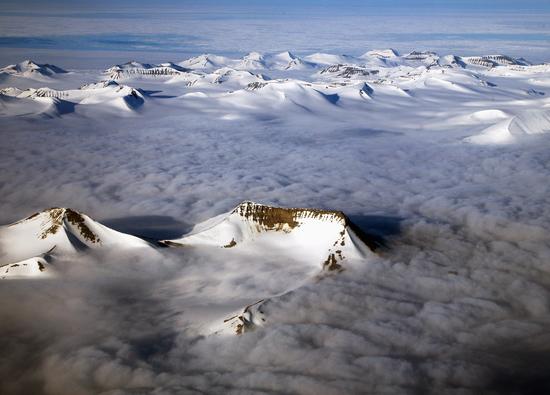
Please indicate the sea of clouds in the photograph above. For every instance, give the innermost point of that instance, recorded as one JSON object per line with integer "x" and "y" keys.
{"x": 458, "y": 301}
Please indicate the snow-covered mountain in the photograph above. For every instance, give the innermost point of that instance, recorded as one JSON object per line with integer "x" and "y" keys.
{"x": 451, "y": 61}
{"x": 327, "y": 59}
{"x": 271, "y": 85}
{"x": 288, "y": 61}
{"x": 24, "y": 245}
{"x": 348, "y": 71}
{"x": 252, "y": 61}
{"x": 328, "y": 236}
{"x": 426, "y": 57}
{"x": 322, "y": 237}
{"x": 491, "y": 61}
{"x": 388, "y": 53}
{"x": 29, "y": 69}
{"x": 512, "y": 128}
{"x": 135, "y": 69}
{"x": 206, "y": 61}
{"x": 300, "y": 236}
{"x": 107, "y": 95}
{"x": 36, "y": 267}
{"x": 234, "y": 77}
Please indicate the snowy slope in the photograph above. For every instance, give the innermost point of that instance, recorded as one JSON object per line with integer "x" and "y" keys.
{"x": 491, "y": 61}
{"x": 306, "y": 233}
{"x": 36, "y": 267}
{"x": 274, "y": 85}
{"x": 252, "y": 61}
{"x": 388, "y": 53}
{"x": 30, "y": 69}
{"x": 61, "y": 231}
{"x": 136, "y": 69}
{"x": 527, "y": 122}
{"x": 108, "y": 95}
{"x": 206, "y": 61}
{"x": 324, "y": 239}
{"x": 288, "y": 61}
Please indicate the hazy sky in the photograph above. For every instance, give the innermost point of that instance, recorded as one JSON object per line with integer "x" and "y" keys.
{"x": 288, "y": 5}
{"x": 99, "y": 33}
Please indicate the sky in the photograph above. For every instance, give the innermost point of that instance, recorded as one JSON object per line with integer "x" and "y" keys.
{"x": 84, "y": 34}
{"x": 288, "y": 5}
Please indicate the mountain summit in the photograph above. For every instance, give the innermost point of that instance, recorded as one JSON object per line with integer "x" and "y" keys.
{"x": 309, "y": 234}
{"x": 28, "y": 68}
{"x": 55, "y": 230}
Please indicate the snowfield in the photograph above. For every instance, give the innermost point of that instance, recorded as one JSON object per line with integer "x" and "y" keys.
{"x": 275, "y": 223}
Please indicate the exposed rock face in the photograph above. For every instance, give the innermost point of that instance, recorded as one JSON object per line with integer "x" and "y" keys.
{"x": 104, "y": 87}
{"x": 28, "y": 267}
{"x": 100, "y": 85}
{"x": 425, "y": 57}
{"x": 53, "y": 219}
{"x": 78, "y": 220}
{"x": 491, "y": 61}
{"x": 25, "y": 245}
{"x": 136, "y": 69}
{"x": 295, "y": 63}
{"x": 327, "y": 235}
{"x": 366, "y": 90}
{"x": 482, "y": 61}
{"x": 33, "y": 93}
{"x": 503, "y": 59}
{"x": 249, "y": 319}
{"x": 347, "y": 71}
{"x": 420, "y": 55}
{"x": 255, "y": 86}
{"x": 269, "y": 218}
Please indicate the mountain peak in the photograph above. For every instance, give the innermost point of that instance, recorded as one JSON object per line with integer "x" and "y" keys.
{"x": 29, "y": 68}
{"x": 64, "y": 230}
{"x": 277, "y": 218}
{"x": 250, "y": 224}
{"x": 287, "y": 55}
{"x": 254, "y": 56}
{"x": 383, "y": 53}
{"x": 490, "y": 61}
{"x": 53, "y": 219}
